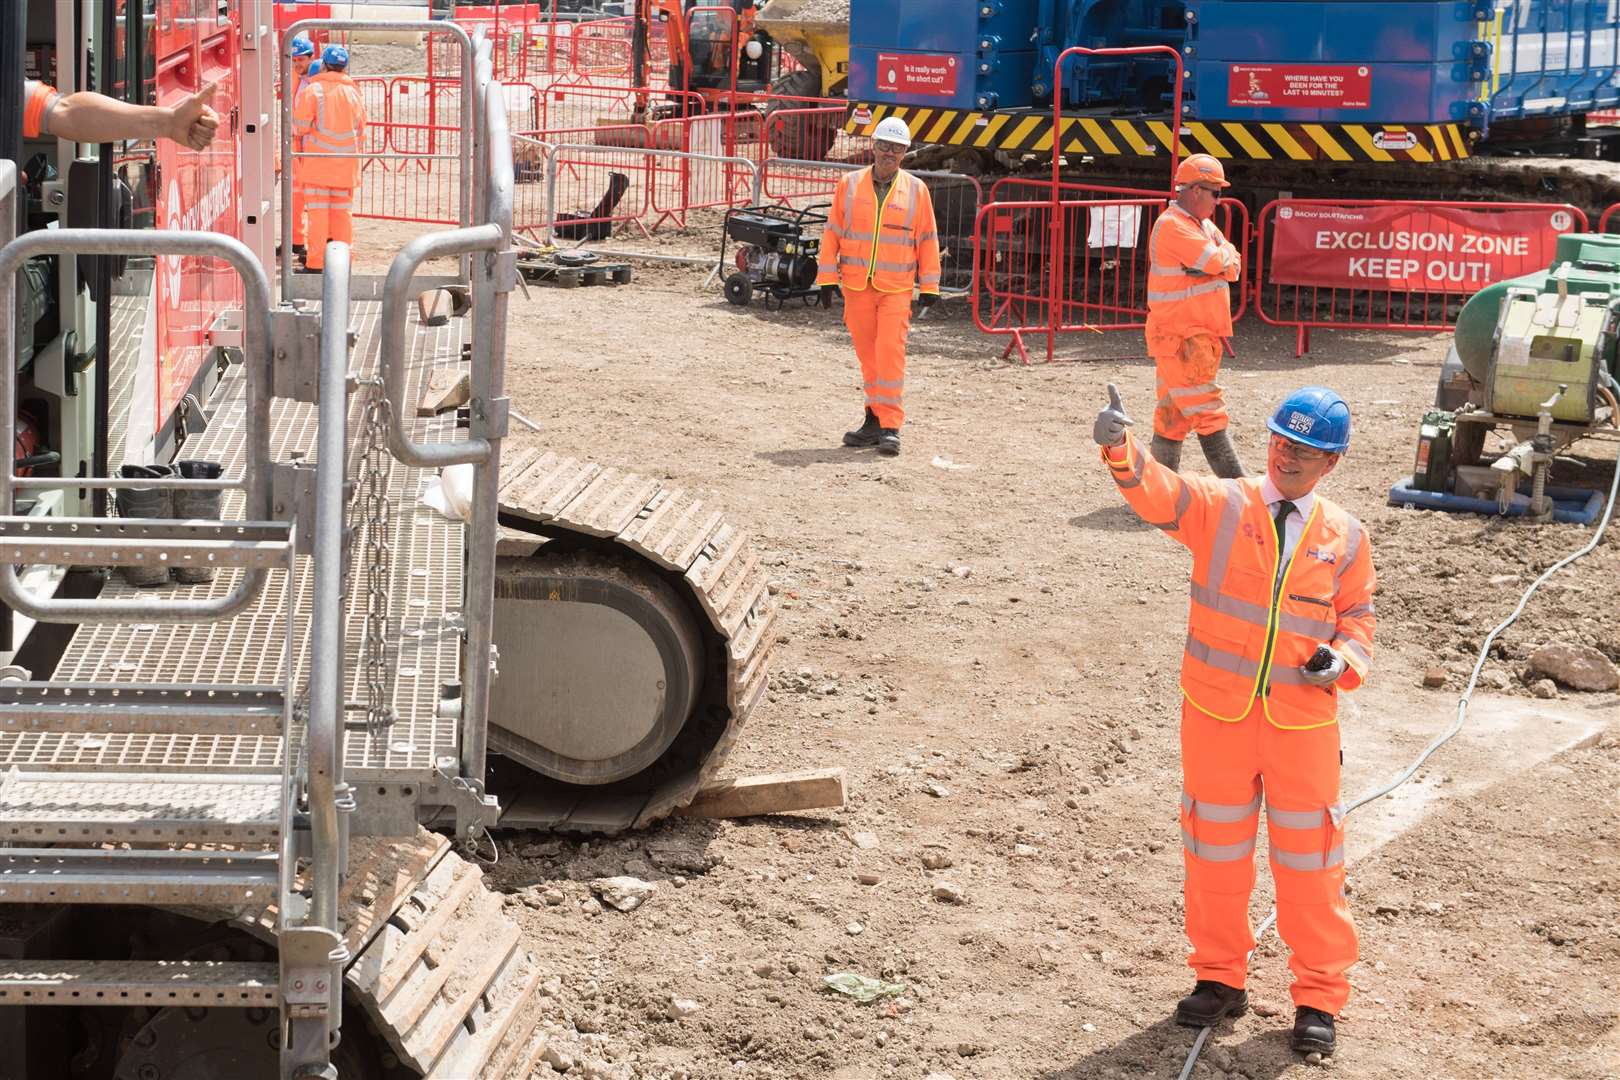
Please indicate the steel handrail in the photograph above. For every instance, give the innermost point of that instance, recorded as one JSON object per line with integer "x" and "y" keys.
{"x": 257, "y": 363}
{"x": 465, "y": 155}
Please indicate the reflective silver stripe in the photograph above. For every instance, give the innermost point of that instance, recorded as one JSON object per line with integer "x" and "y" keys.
{"x": 1225, "y": 534}
{"x": 928, "y": 237}
{"x": 852, "y": 185}
{"x": 1355, "y": 649}
{"x": 1189, "y": 391}
{"x": 1174, "y": 271}
{"x": 344, "y": 146}
{"x": 1219, "y": 812}
{"x": 1201, "y": 407}
{"x": 911, "y": 202}
{"x": 1256, "y": 614}
{"x": 928, "y": 279}
{"x": 858, "y": 237}
{"x": 834, "y": 229}
{"x": 1293, "y": 819}
{"x": 1352, "y": 547}
{"x": 1314, "y": 860}
{"x": 1187, "y": 293}
{"x": 896, "y": 267}
{"x": 1357, "y": 611}
{"x": 1221, "y": 660}
{"x": 45, "y": 114}
{"x": 1285, "y": 675}
{"x": 851, "y": 260}
{"x": 887, "y": 384}
{"x": 1183, "y": 501}
{"x": 1218, "y": 852}
{"x": 1204, "y": 256}
{"x": 1135, "y": 479}
{"x": 883, "y": 399}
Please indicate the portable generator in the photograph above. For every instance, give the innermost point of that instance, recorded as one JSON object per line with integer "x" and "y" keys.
{"x": 772, "y": 253}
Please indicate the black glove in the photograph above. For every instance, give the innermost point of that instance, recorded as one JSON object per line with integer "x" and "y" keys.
{"x": 929, "y": 299}
{"x": 827, "y": 294}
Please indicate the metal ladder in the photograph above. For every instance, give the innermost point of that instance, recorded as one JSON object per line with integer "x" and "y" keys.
{"x": 222, "y": 841}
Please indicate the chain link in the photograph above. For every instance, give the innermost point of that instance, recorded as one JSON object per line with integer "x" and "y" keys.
{"x": 370, "y": 498}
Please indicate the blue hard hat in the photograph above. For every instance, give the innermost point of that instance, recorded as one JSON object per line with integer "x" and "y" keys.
{"x": 334, "y": 56}
{"x": 301, "y": 47}
{"x": 315, "y": 68}
{"x": 1315, "y": 416}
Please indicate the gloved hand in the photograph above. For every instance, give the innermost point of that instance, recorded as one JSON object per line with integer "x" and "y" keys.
{"x": 928, "y": 299}
{"x": 828, "y": 292}
{"x": 1323, "y": 668}
{"x": 1109, "y": 430}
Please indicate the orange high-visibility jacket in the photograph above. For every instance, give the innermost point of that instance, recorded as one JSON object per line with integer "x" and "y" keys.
{"x": 906, "y": 249}
{"x": 1248, "y": 632}
{"x": 1189, "y": 266}
{"x": 38, "y": 101}
{"x": 330, "y": 117}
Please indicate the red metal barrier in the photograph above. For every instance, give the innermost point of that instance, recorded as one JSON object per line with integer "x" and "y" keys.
{"x": 582, "y": 181}
{"x": 1611, "y": 215}
{"x": 811, "y": 135}
{"x": 1421, "y": 266}
{"x": 684, "y": 184}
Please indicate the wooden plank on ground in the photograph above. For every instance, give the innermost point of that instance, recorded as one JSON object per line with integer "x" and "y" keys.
{"x": 447, "y": 388}
{"x": 772, "y": 793}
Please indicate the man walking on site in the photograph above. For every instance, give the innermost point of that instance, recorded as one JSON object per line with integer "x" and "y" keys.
{"x": 1281, "y": 621}
{"x": 330, "y": 119}
{"x": 303, "y": 57}
{"x": 880, "y": 239}
{"x": 1190, "y": 265}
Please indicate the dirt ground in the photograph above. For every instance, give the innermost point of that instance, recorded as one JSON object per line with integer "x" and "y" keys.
{"x": 987, "y": 640}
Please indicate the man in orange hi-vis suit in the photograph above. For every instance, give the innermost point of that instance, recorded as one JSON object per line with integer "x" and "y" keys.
{"x": 89, "y": 117}
{"x": 1190, "y": 265}
{"x": 330, "y": 117}
{"x": 302, "y": 55}
{"x": 880, "y": 239}
{"x": 1281, "y": 621}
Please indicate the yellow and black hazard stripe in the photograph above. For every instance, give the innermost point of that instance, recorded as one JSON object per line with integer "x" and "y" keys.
{"x": 1030, "y": 132}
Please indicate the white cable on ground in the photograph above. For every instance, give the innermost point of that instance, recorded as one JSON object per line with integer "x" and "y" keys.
{"x": 1462, "y": 710}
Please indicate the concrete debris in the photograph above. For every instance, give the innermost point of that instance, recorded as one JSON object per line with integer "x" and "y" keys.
{"x": 1544, "y": 688}
{"x": 681, "y": 1008}
{"x": 1579, "y": 667}
{"x": 935, "y": 859}
{"x": 1434, "y": 678}
{"x": 948, "y": 893}
{"x": 623, "y": 893}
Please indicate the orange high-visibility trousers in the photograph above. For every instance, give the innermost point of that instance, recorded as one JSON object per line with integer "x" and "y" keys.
{"x": 1189, "y": 398}
{"x": 298, "y": 201}
{"x": 878, "y": 324}
{"x": 1227, "y": 768}
{"x": 331, "y": 217}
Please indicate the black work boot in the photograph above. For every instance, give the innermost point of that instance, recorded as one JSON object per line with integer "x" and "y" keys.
{"x": 1313, "y": 1031}
{"x": 1209, "y": 1002}
{"x": 866, "y": 434}
{"x": 889, "y": 441}
{"x": 1222, "y": 455}
{"x": 1167, "y": 452}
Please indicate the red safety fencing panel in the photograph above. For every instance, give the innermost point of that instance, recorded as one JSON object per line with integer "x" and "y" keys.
{"x": 599, "y": 190}
{"x": 1611, "y": 216}
{"x": 794, "y": 136}
{"x": 684, "y": 184}
{"x": 1387, "y": 265}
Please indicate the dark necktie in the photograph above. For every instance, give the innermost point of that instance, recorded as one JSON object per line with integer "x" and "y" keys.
{"x": 1284, "y": 508}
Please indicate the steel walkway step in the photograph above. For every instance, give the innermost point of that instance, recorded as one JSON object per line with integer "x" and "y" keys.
{"x": 229, "y": 984}
{"x": 80, "y": 807}
{"x": 102, "y": 876}
{"x": 64, "y": 541}
{"x": 141, "y": 709}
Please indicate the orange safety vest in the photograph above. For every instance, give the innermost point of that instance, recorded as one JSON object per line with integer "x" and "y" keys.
{"x": 329, "y": 117}
{"x": 1189, "y": 266}
{"x": 854, "y": 250}
{"x": 1249, "y": 631}
{"x": 39, "y": 100}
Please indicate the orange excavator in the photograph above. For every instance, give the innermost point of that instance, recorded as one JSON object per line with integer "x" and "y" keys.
{"x": 715, "y": 51}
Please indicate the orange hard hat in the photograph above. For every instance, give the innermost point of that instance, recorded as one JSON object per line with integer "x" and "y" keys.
{"x": 1201, "y": 169}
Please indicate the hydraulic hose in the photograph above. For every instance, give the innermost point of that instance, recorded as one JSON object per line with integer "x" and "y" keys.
{"x": 1462, "y": 706}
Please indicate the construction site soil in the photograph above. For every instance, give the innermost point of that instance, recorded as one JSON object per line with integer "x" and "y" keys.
{"x": 987, "y": 640}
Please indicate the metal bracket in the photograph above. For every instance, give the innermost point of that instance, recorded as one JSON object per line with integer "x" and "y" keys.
{"x": 296, "y": 345}
{"x": 474, "y": 811}
{"x": 292, "y": 498}
{"x": 504, "y": 271}
{"x": 490, "y": 417}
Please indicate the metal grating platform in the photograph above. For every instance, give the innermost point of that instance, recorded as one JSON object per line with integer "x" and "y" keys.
{"x": 249, "y": 649}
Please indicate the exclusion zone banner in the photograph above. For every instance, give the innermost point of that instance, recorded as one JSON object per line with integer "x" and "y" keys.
{"x": 1401, "y": 247}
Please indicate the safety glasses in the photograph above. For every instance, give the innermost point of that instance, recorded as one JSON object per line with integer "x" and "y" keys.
{"x": 1308, "y": 455}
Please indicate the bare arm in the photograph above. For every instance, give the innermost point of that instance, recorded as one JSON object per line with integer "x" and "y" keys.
{"x": 95, "y": 118}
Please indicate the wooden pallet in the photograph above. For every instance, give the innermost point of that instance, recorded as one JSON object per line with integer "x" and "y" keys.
{"x": 550, "y": 272}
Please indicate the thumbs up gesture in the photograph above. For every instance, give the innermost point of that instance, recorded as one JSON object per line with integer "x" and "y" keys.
{"x": 194, "y": 122}
{"x": 1109, "y": 430}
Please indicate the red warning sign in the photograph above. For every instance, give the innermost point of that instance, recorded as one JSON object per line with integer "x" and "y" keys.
{"x": 916, "y": 73}
{"x": 1299, "y": 86}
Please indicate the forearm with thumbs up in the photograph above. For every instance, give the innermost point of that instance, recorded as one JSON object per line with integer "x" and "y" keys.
{"x": 1109, "y": 430}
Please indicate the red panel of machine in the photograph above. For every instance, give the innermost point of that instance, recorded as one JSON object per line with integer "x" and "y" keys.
{"x": 1299, "y": 86}
{"x": 917, "y": 73}
{"x": 1407, "y": 248}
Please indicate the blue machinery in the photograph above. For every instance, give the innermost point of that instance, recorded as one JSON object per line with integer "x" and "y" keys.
{"x": 1335, "y": 81}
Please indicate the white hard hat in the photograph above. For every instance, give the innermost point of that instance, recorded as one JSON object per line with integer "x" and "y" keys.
{"x": 893, "y": 129}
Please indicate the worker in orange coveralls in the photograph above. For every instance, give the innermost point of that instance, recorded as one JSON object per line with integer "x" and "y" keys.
{"x": 329, "y": 116}
{"x": 880, "y": 239}
{"x": 1190, "y": 267}
{"x": 1281, "y": 621}
{"x": 89, "y": 117}
{"x": 302, "y": 55}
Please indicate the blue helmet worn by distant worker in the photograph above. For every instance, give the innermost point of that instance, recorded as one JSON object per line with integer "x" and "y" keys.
{"x": 1314, "y": 416}
{"x": 314, "y": 69}
{"x": 334, "y": 56}
{"x": 301, "y": 47}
